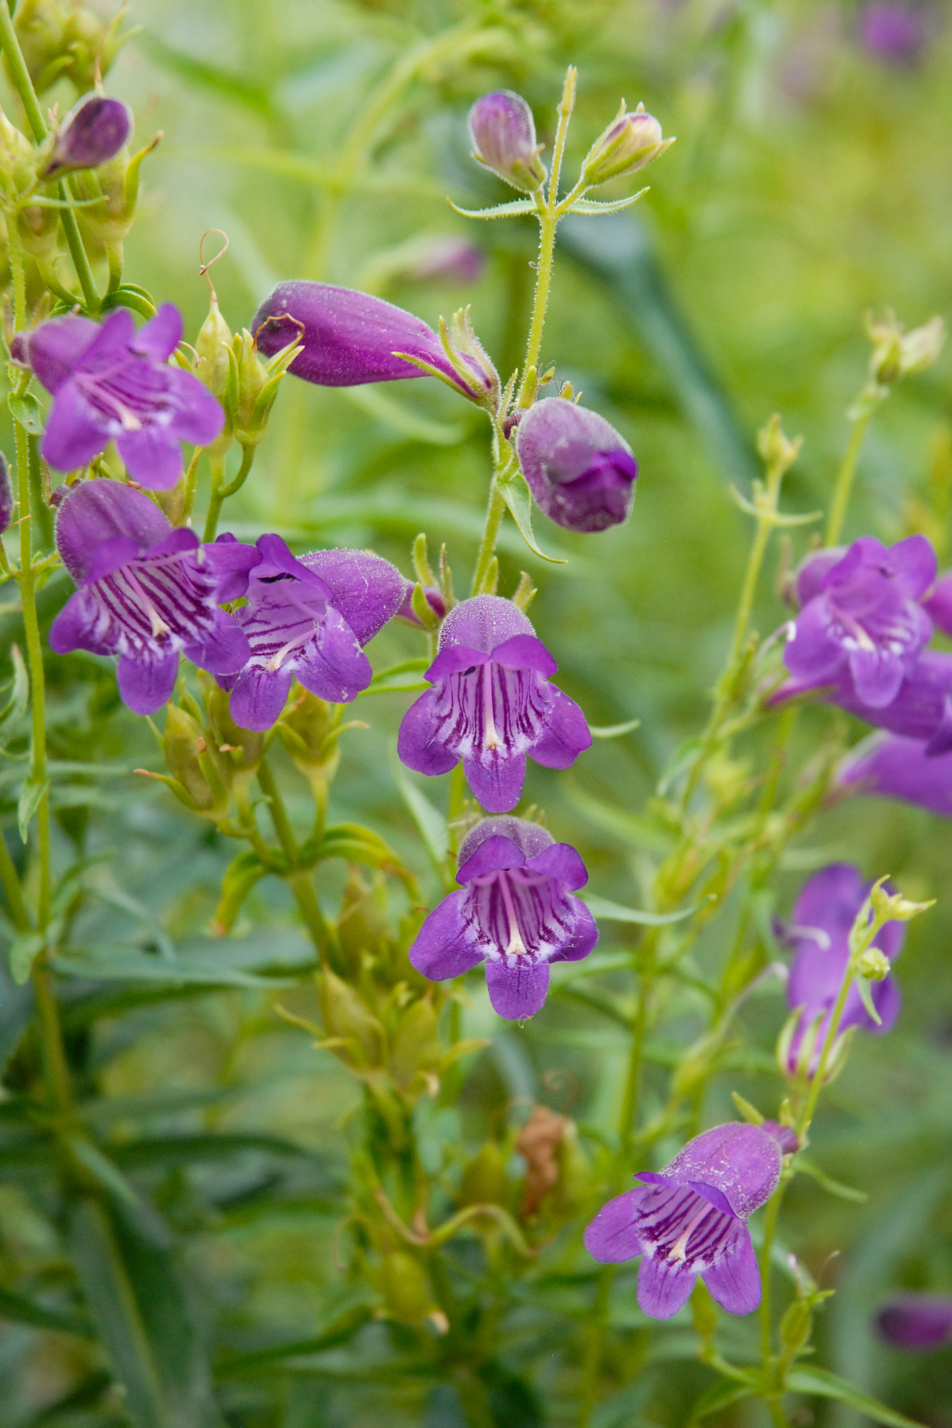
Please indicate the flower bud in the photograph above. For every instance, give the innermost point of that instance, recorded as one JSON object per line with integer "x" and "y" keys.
{"x": 485, "y": 1181}
{"x": 415, "y": 1053}
{"x": 897, "y": 353}
{"x": 6, "y": 495}
{"x": 93, "y": 132}
{"x": 115, "y": 184}
{"x": 214, "y": 369}
{"x": 629, "y": 143}
{"x": 63, "y": 39}
{"x": 502, "y": 131}
{"x": 578, "y": 468}
{"x": 192, "y": 765}
{"x": 893, "y": 907}
{"x": 873, "y": 965}
{"x": 405, "y": 1288}
{"x": 308, "y": 732}
{"x": 356, "y": 1032}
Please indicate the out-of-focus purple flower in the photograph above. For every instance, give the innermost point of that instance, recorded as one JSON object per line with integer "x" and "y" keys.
{"x": 863, "y": 613}
{"x": 92, "y": 132}
{"x": 895, "y": 33}
{"x": 916, "y": 1321}
{"x": 433, "y": 598}
{"x": 690, "y": 1219}
{"x": 894, "y": 767}
{"x": 448, "y": 259}
{"x": 113, "y": 383}
{"x": 350, "y": 338}
{"x": 502, "y": 132}
{"x": 6, "y": 495}
{"x": 146, "y": 592}
{"x": 578, "y": 468}
{"x": 819, "y": 936}
{"x": 491, "y": 705}
{"x": 516, "y": 912}
{"x": 308, "y": 620}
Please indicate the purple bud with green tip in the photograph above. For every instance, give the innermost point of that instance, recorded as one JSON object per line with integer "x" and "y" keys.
{"x": 579, "y": 469}
{"x": 502, "y": 131}
{"x": 92, "y": 132}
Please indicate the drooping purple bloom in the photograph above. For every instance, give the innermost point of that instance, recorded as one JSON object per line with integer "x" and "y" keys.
{"x": 690, "y": 1219}
{"x": 491, "y": 705}
{"x": 894, "y": 767}
{"x": 350, "y": 338}
{"x": 916, "y": 1321}
{"x": 862, "y": 615}
{"x": 502, "y": 132}
{"x": 308, "y": 620}
{"x": 578, "y": 468}
{"x": 819, "y": 936}
{"x": 92, "y": 132}
{"x": 146, "y": 592}
{"x": 895, "y": 33}
{"x": 113, "y": 383}
{"x": 516, "y": 912}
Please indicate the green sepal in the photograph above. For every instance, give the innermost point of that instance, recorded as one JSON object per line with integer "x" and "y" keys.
{"x": 516, "y": 495}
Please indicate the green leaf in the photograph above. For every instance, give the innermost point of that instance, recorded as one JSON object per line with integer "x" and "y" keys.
{"x": 246, "y": 91}
{"x": 20, "y": 1310}
{"x": 88, "y": 1155}
{"x": 31, "y": 795}
{"x": 241, "y": 875}
{"x": 406, "y": 676}
{"x": 865, "y": 988}
{"x": 120, "y": 964}
{"x": 515, "y": 209}
{"x": 26, "y": 410}
{"x": 357, "y": 845}
{"x": 134, "y": 1288}
{"x": 16, "y": 706}
{"x": 516, "y": 495}
{"x": 818, "y": 1382}
{"x": 833, "y": 1187}
{"x": 430, "y": 822}
{"x": 596, "y": 205}
{"x": 173, "y": 1151}
{"x": 720, "y": 1395}
{"x": 613, "y": 731}
{"x": 614, "y": 912}
{"x": 340, "y": 1331}
{"x": 24, "y": 948}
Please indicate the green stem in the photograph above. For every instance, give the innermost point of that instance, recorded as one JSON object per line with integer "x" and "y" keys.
{"x": 20, "y": 75}
{"x": 55, "y": 1063}
{"x": 770, "y": 1229}
{"x": 844, "y": 480}
{"x": 298, "y": 879}
{"x": 592, "y": 1361}
{"x": 495, "y": 510}
{"x": 217, "y": 463}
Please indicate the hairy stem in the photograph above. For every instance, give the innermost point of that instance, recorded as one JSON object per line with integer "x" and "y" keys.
{"x": 844, "y": 479}
{"x": 298, "y": 880}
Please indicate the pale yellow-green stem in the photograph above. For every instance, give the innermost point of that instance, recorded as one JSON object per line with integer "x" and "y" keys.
{"x": 844, "y": 479}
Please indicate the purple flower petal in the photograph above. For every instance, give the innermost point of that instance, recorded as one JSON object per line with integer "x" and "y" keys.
{"x": 496, "y": 780}
{"x": 145, "y": 685}
{"x": 232, "y": 563}
{"x": 916, "y": 1321}
{"x": 938, "y": 605}
{"x": 495, "y": 854}
{"x": 877, "y": 676}
{"x": 579, "y": 469}
{"x": 517, "y": 986}
{"x": 74, "y": 626}
{"x": 914, "y": 562}
{"x": 98, "y": 511}
{"x": 366, "y": 589}
{"x": 160, "y": 336}
{"x": 225, "y": 649}
{"x": 611, "y": 1237}
{"x": 445, "y": 946}
{"x": 152, "y": 456}
{"x": 663, "y": 1287}
{"x": 562, "y": 861}
{"x": 332, "y": 665}
{"x": 895, "y": 767}
{"x": 75, "y": 434}
{"x": 483, "y": 623}
{"x": 258, "y": 697}
{"x": 56, "y": 347}
{"x": 530, "y": 838}
{"x": 583, "y": 933}
{"x": 565, "y": 736}
{"x": 734, "y": 1278}
{"x": 525, "y": 652}
{"x": 419, "y": 742}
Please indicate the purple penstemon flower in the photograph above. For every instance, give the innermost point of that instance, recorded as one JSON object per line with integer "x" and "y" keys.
{"x": 861, "y": 614}
{"x": 349, "y": 338}
{"x": 516, "y": 912}
{"x": 309, "y": 619}
{"x": 894, "y": 767}
{"x": 491, "y": 705}
{"x": 921, "y": 709}
{"x": 690, "y": 1219}
{"x": 113, "y": 383}
{"x": 146, "y": 592}
{"x": 916, "y": 1321}
{"x": 819, "y": 936}
{"x": 579, "y": 469}
{"x": 91, "y": 134}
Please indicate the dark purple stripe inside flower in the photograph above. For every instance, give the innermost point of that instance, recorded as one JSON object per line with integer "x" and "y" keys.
{"x": 516, "y": 912}
{"x": 491, "y": 705}
{"x": 113, "y": 383}
{"x": 146, "y": 593}
{"x": 690, "y": 1219}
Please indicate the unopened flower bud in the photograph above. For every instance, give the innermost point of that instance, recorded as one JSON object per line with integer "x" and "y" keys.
{"x": 356, "y": 1032}
{"x": 502, "y": 131}
{"x": 893, "y": 907}
{"x": 116, "y": 187}
{"x": 6, "y": 495}
{"x": 192, "y": 764}
{"x": 64, "y": 39}
{"x": 580, "y": 470}
{"x": 873, "y": 965}
{"x": 213, "y": 368}
{"x": 897, "y": 353}
{"x": 307, "y": 732}
{"x": 93, "y": 132}
{"x": 775, "y": 449}
{"x": 485, "y": 1181}
{"x": 405, "y": 1288}
{"x": 629, "y": 143}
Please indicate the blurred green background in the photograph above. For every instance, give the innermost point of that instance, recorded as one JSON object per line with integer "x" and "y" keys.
{"x": 810, "y": 184}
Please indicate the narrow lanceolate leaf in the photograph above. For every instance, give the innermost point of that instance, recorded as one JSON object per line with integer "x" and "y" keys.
{"x": 607, "y": 911}
{"x": 819, "y": 1383}
{"x": 431, "y": 824}
{"x": 516, "y": 209}
{"x": 133, "y": 1285}
{"x": 403, "y": 677}
{"x": 20, "y": 1310}
{"x": 24, "y": 949}
{"x": 613, "y": 731}
{"x": 516, "y": 495}
{"x": 806, "y": 1166}
{"x": 720, "y": 1395}
{"x": 31, "y": 795}
{"x": 16, "y": 706}
{"x": 595, "y": 205}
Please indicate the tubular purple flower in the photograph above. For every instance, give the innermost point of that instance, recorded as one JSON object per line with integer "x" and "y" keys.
{"x": 894, "y": 767}
{"x": 92, "y": 132}
{"x": 491, "y": 705}
{"x": 308, "y": 620}
{"x": 579, "y": 469}
{"x": 113, "y": 383}
{"x": 916, "y": 1321}
{"x": 146, "y": 592}
{"x": 690, "y": 1219}
{"x": 863, "y": 615}
{"x": 502, "y": 132}
{"x": 516, "y": 912}
{"x": 921, "y": 710}
{"x": 819, "y": 936}
{"x": 350, "y": 338}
